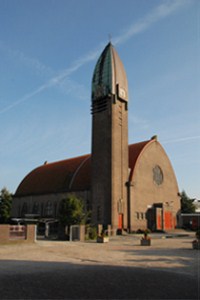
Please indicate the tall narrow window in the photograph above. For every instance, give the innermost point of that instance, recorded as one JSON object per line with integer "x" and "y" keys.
{"x": 35, "y": 209}
{"x": 98, "y": 213}
{"x": 24, "y": 209}
{"x": 49, "y": 209}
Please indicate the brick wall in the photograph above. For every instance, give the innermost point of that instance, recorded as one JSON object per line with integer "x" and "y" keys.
{"x": 5, "y": 234}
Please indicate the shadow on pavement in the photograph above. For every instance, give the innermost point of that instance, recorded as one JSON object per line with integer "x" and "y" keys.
{"x": 56, "y": 280}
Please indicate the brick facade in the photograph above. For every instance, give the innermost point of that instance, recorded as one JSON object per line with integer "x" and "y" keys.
{"x": 147, "y": 196}
{"x": 109, "y": 172}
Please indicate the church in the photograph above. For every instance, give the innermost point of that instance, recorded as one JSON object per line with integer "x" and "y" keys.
{"x": 127, "y": 187}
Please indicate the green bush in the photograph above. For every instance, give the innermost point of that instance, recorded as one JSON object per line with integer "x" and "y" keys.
{"x": 92, "y": 233}
{"x": 5, "y": 206}
{"x": 198, "y": 234}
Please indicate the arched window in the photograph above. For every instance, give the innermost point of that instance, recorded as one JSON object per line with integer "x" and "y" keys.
{"x": 24, "y": 209}
{"x": 158, "y": 175}
{"x": 55, "y": 209}
{"x": 49, "y": 209}
{"x": 35, "y": 209}
{"x": 19, "y": 211}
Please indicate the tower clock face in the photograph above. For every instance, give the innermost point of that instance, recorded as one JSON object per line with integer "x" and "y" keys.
{"x": 157, "y": 175}
{"x": 121, "y": 93}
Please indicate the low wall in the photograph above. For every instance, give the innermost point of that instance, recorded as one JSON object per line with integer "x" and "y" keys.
{"x": 25, "y": 234}
{"x": 191, "y": 221}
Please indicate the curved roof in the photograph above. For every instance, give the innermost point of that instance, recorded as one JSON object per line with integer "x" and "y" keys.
{"x": 67, "y": 175}
{"x": 57, "y": 177}
{"x": 109, "y": 76}
{"x": 134, "y": 152}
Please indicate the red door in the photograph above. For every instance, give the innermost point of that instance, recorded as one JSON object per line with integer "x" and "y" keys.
{"x": 168, "y": 220}
{"x": 120, "y": 221}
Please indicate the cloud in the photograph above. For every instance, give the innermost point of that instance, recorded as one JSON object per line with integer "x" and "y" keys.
{"x": 161, "y": 11}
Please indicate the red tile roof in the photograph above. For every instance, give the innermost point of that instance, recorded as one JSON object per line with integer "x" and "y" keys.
{"x": 67, "y": 175}
{"x": 134, "y": 152}
{"x": 51, "y": 177}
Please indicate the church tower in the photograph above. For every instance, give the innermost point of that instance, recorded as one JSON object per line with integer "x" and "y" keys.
{"x": 109, "y": 141}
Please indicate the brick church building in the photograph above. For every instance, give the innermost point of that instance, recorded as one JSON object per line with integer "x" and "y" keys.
{"x": 129, "y": 187}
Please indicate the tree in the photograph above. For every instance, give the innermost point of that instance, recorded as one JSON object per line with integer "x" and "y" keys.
{"x": 186, "y": 204}
{"x": 71, "y": 211}
{"x": 5, "y": 205}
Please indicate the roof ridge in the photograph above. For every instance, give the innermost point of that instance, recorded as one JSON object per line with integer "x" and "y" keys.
{"x": 64, "y": 160}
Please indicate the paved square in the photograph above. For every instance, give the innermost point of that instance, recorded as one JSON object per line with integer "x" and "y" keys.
{"x": 120, "y": 269}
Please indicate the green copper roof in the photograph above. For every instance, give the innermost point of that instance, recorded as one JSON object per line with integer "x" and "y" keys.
{"x": 109, "y": 76}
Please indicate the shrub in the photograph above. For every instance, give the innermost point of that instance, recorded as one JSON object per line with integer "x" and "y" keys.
{"x": 92, "y": 233}
{"x": 198, "y": 234}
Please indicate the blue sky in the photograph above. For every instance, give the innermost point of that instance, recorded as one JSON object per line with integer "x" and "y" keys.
{"x": 48, "y": 52}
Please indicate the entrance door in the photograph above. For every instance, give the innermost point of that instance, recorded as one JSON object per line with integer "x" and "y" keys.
{"x": 159, "y": 222}
{"x": 159, "y": 219}
{"x": 120, "y": 221}
{"x": 168, "y": 220}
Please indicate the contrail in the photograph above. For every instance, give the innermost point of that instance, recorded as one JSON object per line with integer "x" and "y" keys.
{"x": 183, "y": 139}
{"x": 158, "y": 13}
{"x": 25, "y": 98}
{"x": 55, "y": 80}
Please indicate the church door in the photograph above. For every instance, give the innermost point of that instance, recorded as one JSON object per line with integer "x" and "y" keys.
{"x": 120, "y": 221}
{"x": 159, "y": 218}
{"x": 168, "y": 220}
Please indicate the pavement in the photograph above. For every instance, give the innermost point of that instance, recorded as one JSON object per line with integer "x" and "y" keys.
{"x": 120, "y": 269}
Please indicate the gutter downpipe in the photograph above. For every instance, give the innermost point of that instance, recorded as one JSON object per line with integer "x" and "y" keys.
{"x": 129, "y": 184}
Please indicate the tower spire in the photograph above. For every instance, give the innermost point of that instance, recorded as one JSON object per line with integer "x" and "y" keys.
{"x": 109, "y": 140}
{"x": 109, "y": 77}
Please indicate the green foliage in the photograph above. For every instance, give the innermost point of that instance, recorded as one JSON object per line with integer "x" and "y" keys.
{"x": 91, "y": 233}
{"x": 146, "y": 232}
{"x": 71, "y": 211}
{"x": 186, "y": 204}
{"x": 198, "y": 234}
{"x": 5, "y": 205}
